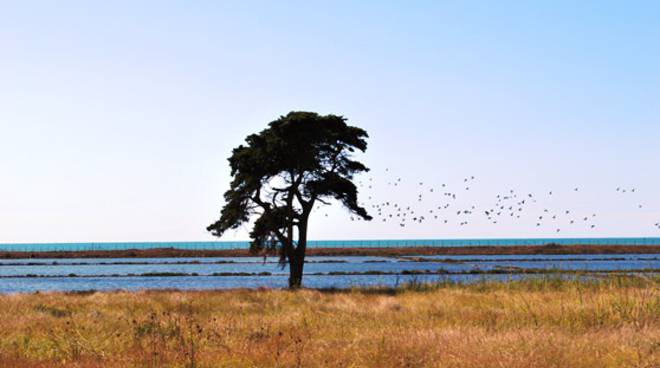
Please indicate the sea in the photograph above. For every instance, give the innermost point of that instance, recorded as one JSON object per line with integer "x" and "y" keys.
{"x": 377, "y": 243}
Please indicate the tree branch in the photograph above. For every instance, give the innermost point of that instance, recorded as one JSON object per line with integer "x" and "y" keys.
{"x": 267, "y": 210}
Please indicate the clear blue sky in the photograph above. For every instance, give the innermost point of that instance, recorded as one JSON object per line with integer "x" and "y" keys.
{"x": 116, "y": 118}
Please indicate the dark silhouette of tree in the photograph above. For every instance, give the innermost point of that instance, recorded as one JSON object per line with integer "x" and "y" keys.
{"x": 300, "y": 160}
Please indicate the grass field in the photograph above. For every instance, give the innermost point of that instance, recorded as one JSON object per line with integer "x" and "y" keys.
{"x": 614, "y": 322}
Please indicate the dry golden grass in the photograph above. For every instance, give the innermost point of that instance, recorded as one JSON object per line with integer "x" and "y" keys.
{"x": 543, "y": 323}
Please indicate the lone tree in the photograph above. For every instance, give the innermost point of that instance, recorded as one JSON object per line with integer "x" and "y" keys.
{"x": 283, "y": 171}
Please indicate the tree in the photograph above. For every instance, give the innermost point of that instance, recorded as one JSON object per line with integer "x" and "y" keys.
{"x": 301, "y": 160}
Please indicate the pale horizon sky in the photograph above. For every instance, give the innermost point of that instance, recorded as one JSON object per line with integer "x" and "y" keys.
{"x": 116, "y": 118}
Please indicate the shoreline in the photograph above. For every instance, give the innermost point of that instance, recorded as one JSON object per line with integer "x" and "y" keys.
{"x": 550, "y": 249}
{"x": 414, "y": 272}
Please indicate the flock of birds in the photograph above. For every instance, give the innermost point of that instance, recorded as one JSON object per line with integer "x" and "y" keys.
{"x": 440, "y": 205}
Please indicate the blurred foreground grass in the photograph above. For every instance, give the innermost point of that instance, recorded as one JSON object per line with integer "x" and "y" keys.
{"x": 610, "y": 322}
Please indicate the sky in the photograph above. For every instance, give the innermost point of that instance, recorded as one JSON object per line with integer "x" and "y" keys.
{"x": 116, "y": 118}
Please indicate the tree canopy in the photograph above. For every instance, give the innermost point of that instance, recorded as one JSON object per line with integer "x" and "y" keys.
{"x": 300, "y": 160}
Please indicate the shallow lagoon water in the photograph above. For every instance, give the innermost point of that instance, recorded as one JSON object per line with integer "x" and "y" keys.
{"x": 30, "y": 275}
{"x": 208, "y": 269}
{"x": 68, "y": 284}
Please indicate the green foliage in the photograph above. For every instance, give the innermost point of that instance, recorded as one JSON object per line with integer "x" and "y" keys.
{"x": 300, "y": 160}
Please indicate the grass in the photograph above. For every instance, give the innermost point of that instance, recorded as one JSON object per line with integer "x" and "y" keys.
{"x": 612, "y": 322}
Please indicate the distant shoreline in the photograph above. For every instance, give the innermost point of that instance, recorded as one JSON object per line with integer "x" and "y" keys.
{"x": 385, "y": 252}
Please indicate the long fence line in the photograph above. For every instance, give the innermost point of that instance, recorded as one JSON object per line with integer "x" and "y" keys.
{"x": 389, "y": 243}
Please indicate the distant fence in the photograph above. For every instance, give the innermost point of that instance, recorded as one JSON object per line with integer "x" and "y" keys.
{"x": 389, "y": 243}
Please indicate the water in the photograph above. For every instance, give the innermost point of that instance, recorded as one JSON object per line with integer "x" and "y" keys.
{"x": 30, "y": 275}
{"x": 390, "y": 243}
{"x": 207, "y": 282}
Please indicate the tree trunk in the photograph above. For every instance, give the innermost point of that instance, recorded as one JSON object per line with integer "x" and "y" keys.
{"x": 297, "y": 258}
{"x": 296, "y": 264}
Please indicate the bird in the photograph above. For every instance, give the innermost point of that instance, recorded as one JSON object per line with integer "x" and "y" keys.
{"x": 516, "y": 205}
